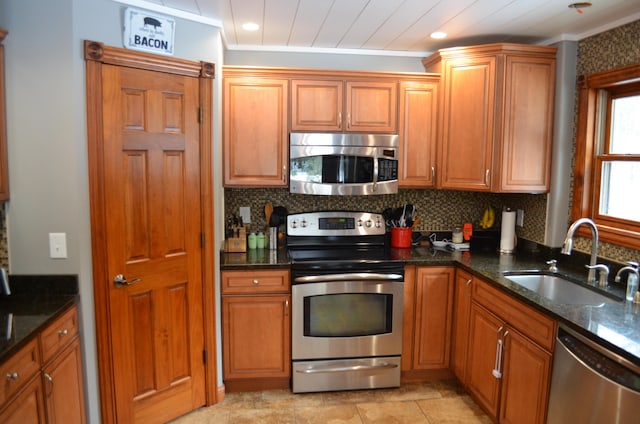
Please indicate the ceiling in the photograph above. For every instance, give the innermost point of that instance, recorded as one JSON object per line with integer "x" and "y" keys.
{"x": 395, "y": 27}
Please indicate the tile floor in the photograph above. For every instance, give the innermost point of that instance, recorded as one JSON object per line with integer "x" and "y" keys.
{"x": 430, "y": 403}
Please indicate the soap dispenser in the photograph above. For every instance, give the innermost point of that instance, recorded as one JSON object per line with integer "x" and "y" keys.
{"x": 632, "y": 279}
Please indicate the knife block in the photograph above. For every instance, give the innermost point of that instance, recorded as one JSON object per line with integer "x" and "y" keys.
{"x": 238, "y": 243}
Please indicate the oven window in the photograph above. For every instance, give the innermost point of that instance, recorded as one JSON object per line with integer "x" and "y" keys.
{"x": 348, "y": 314}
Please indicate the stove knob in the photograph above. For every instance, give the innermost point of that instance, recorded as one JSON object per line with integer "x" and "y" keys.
{"x": 369, "y": 223}
{"x": 378, "y": 223}
{"x": 303, "y": 224}
{"x": 294, "y": 224}
{"x": 359, "y": 223}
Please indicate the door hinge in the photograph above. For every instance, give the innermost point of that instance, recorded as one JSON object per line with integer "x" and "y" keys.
{"x": 204, "y": 356}
{"x": 202, "y": 240}
{"x": 200, "y": 115}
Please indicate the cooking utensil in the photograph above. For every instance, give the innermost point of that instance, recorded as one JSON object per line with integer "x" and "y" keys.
{"x": 268, "y": 210}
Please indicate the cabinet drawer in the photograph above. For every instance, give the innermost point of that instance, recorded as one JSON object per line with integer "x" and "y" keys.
{"x": 255, "y": 281}
{"x": 533, "y": 324}
{"x": 18, "y": 370}
{"x": 58, "y": 334}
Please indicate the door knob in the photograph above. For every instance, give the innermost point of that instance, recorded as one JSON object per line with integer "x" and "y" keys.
{"x": 120, "y": 281}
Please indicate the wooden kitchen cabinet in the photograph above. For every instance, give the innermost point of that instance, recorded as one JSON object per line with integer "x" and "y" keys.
{"x": 460, "y": 331}
{"x": 255, "y": 130}
{"x": 418, "y": 113}
{"x": 496, "y": 117}
{"x": 4, "y": 165}
{"x": 51, "y": 367}
{"x": 427, "y": 318}
{"x": 509, "y": 356}
{"x": 332, "y": 105}
{"x": 256, "y": 329}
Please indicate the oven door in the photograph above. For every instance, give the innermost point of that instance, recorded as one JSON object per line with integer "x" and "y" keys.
{"x": 347, "y": 316}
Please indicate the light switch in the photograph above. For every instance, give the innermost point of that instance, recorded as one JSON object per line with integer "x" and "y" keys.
{"x": 245, "y": 213}
{"x": 57, "y": 245}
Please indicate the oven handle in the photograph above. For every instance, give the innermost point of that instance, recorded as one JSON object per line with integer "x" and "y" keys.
{"x": 359, "y": 276}
{"x": 382, "y": 365}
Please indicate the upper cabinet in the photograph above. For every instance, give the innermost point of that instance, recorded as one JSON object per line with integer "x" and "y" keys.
{"x": 4, "y": 168}
{"x": 496, "y": 117}
{"x": 334, "y": 105}
{"x": 255, "y": 129}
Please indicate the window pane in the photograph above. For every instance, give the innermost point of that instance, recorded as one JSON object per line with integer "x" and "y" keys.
{"x": 618, "y": 197}
{"x": 625, "y": 125}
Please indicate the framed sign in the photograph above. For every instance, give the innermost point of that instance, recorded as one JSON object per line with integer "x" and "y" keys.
{"x": 148, "y": 32}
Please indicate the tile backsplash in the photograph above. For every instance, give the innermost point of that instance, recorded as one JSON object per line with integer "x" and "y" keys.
{"x": 438, "y": 210}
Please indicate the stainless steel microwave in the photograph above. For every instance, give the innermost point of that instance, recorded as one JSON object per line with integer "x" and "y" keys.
{"x": 343, "y": 164}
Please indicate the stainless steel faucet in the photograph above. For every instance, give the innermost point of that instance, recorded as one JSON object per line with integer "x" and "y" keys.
{"x": 568, "y": 244}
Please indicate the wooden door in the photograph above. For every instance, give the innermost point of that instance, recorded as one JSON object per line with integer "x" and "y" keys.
{"x": 525, "y": 381}
{"x": 468, "y": 124}
{"x": 418, "y": 132}
{"x": 316, "y": 105}
{"x": 256, "y": 147}
{"x": 460, "y": 332}
{"x": 151, "y": 228}
{"x": 484, "y": 331}
{"x": 371, "y": 106}
{"x": 434, "y": 297}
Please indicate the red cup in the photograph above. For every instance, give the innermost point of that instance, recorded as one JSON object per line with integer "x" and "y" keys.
{"x": 400, "y": 237}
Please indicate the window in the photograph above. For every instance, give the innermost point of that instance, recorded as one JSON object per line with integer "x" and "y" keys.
{"x": 607, "y": 168}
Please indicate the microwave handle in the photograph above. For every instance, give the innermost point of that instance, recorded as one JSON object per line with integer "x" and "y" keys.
{"x": 375, "y": 169}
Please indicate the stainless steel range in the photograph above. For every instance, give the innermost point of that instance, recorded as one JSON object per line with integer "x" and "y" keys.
{"x": 347, "y": 299}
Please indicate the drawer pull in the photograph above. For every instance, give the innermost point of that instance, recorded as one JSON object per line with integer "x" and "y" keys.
{"x": 256, "y": 282}
{"x": 63, "y": 333}
{"x": 12, "y": 376}
{"x": 50, "y": 381}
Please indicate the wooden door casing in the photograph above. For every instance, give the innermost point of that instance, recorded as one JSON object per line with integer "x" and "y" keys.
{"x": 149, "y": 125}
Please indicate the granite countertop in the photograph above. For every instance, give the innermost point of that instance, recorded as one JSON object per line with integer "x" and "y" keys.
{"x": 35, "y": 301}
{"x": 615, "y": 325}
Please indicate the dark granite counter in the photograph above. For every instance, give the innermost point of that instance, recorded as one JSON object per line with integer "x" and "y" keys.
{"x": 35, "y": 301}
{"x": 615, "y": 325}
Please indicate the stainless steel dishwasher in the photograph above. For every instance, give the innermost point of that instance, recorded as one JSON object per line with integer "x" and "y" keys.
{"x": 591, "y": 384}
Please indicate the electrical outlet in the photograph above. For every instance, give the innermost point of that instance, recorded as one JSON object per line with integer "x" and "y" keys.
{"x": 57, "y": 245}
{"x": 245, "y": 214}
{"x": 520, "y": 218}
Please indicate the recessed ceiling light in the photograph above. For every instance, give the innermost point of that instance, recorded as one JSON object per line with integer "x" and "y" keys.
{"x": 438, "y": 34}
{"x": 579, "y": 6}
{"x": 250, "y": 26}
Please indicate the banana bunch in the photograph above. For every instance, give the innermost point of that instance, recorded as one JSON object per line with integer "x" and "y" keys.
{"x": 488, "y": 218}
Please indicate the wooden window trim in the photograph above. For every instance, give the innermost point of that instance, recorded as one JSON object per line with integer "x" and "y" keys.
{"x": 585, "y": 175}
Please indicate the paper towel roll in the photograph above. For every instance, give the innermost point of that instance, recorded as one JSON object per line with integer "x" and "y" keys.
{"x": 508, "y": 231}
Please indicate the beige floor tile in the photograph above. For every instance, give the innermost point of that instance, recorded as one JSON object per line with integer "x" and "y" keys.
{"x": 210, "y": 415}
{"x": 453, "y": 410}
{"x": 287, "y": 399}
{"x": 332, "y": 414}
{"x": 391, "y": 413}
{"x": 409, "y": 391}
{"x": 350, "y": 396}
{"x": 262, "y": 416}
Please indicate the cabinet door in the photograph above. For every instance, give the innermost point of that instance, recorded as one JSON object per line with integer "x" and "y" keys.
{"x": 316, "y": 105}
{"x": 460, "y": 333}
{"x": 528, "y": 125}
{"x": 434, "y": 297}
{"x": 27, "y": 407}
{"x": 64, "y": 394}
{"x": 525, "y": 381}
{"x": 467, "y": 124}
{"x": 418, "y": 132}
{"x": 256, "y": 336}
{"x": 371, "y": 106}
{"x": 4, "y": 166}
{"x": 484, "y": 332}
{"x": 255, "y": 132}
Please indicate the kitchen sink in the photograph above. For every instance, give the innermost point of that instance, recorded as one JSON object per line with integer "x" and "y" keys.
{"x": 559, "y": 289}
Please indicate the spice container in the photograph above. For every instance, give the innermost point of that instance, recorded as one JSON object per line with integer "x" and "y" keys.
{"x": 252, "y": 241}
{"x": 260, "y": 241}
{"x": 456, "y": 237}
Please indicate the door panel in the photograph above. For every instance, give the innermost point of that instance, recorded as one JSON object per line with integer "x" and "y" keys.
{"x": 152, "y": 194}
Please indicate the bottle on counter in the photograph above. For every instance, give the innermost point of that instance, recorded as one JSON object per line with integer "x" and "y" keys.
{"x": 252, "y": 240}
{"x": 260, "y": 240}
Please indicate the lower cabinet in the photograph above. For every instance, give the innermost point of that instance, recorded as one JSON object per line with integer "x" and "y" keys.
{"x": 43, "y": 381}
{"x": 427, "y": 318}
{"x": 460, "y": 331}
{"x": 509, "y": 356}
{"x": 256, "y": 329}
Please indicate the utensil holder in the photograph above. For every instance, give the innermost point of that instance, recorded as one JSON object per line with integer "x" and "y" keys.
{"x": 401, "y": 237}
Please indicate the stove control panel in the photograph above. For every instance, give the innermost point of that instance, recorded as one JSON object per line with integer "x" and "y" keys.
{"x": 335, "y": 223}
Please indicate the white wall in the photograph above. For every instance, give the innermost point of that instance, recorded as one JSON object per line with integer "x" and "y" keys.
{"x": 46, "y": 132}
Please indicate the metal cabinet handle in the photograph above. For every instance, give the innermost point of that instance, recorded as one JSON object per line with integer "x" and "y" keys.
{"x": 286, "y": 307}
{"x": 486, "y": 177}
{"x": 255, "y": 282}
{"x": 120, "y": 281}
{"x": 63, "y": 333}
{"x": 433, "y": 172}
{"x": 340, "y": 120}
{"x": 50, "y": 381}
{"x": 469, "y": 287}
{"x": 12, "y": 376}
